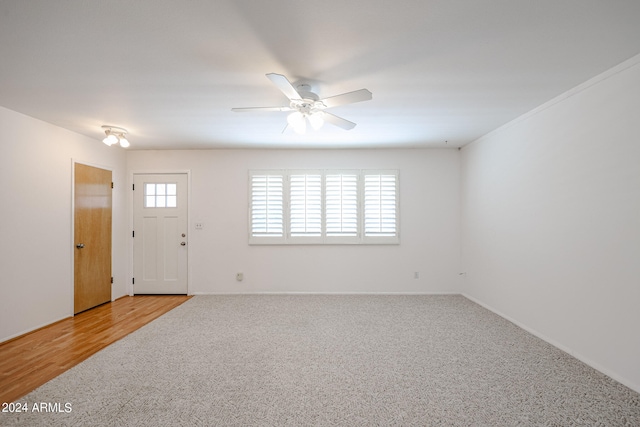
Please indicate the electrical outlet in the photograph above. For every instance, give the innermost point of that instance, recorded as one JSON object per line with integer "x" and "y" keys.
{"x": 239, "y": 277}
{"x": 199, "y": 226}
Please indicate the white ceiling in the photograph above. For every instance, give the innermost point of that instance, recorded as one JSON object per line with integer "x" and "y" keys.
{"x": 170, "y": 71}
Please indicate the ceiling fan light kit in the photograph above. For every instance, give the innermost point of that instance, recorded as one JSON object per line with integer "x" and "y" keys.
{"x": 115, "y": 135}
{"x": 297, "y": 121}
{"x": 316, "y": 120}
{"x": 306, "y": 105}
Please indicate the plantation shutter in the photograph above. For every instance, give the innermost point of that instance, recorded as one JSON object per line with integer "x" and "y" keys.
{"x": 380, "y": 205}
{"x": 341, "y": 204}
{"x": 323, "y": 207}
{"x": 305, "y": 205}
{"x": 267, "y": 209}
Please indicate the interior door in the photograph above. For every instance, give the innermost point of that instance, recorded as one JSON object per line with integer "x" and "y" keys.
{"x": 92, "y": 237}
{"x": 160, "y": 241}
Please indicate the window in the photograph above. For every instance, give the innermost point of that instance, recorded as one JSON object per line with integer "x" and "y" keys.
{"x": 305, "y": 204}
{"x": 341, "y": 204}
{"x": 323, "y": 207}
{"x": 267, "y": 217}
{"x": 160, "y": 195}
{"x": 380, "y": 205}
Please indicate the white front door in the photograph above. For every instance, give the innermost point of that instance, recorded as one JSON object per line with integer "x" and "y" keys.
{"x": 160, "y": 239}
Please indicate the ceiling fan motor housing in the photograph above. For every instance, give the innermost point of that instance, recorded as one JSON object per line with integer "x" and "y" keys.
{"x": 305, "y": 92}
{"x": 308, "y": 104}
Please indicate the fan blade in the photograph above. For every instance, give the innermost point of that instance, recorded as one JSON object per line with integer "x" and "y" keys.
{"x": 347, "y": 98}
{"x": 284, "y": 85}
{"x": 338, "y": 121}
{"x": 242, "y": 110}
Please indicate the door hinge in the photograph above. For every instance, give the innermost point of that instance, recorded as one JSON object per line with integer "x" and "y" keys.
{"x": 133, "y": 233}
{"x": 111, "y": 279}
{"x": 133, "y": 280}
{"x": 112, "y": 184}
{"x": 133, "y": 187}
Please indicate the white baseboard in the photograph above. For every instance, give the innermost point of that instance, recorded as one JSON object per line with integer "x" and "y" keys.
{"x": 324, "y": 293}
{"x": 570, "y": 351}
{"x": 26, "y": 331}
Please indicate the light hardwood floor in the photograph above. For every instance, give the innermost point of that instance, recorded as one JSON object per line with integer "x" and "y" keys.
{"x": 28, "y": 361}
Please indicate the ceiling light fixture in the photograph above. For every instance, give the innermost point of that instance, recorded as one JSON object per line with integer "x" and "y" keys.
{"x": 298, "y": 120}
{"x": 309, "y": 107}
{"x": 114, "y": 135}
{"x": 316, "y": 120}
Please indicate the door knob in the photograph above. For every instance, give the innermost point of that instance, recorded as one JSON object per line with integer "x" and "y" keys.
{"x": 80, "y": 245}
{"x": 183, "y": 243}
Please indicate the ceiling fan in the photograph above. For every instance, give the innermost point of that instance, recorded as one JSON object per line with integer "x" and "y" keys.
{"x": 306, "y": 105}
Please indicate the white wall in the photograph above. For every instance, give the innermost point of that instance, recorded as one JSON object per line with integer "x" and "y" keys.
{"x": 36, "y": 284}
{"x": 429, "y": 205}
{"x": 551, "y": 222}
{"x": 548, "y": 208}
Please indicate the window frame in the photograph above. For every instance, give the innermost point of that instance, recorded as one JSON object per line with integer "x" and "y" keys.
{"x": 286, "y": 238}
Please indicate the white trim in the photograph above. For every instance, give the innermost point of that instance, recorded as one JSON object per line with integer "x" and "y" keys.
{"x": 35, "y": 328}
{"x": 629, "y": 63}
{"x": 322, "y": 293}
{"x": 131, "y": 213}
{"x": 568, "y": 350}
{"x": 73, "y": 230}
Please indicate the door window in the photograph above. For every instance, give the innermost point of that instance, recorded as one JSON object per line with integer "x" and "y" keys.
{"x": 160, "y": 195}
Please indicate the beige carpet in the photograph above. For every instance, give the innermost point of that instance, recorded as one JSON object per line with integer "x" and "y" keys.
{"x": 331, "y": 360}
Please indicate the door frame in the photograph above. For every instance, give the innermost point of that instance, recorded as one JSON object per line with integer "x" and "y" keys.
{"x": 130, "y": 179}
{"x": 72, "y": 247}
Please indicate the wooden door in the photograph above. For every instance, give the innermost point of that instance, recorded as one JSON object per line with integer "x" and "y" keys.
{"x": 160, "y": 234}
{"x": 92, "y": 237}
